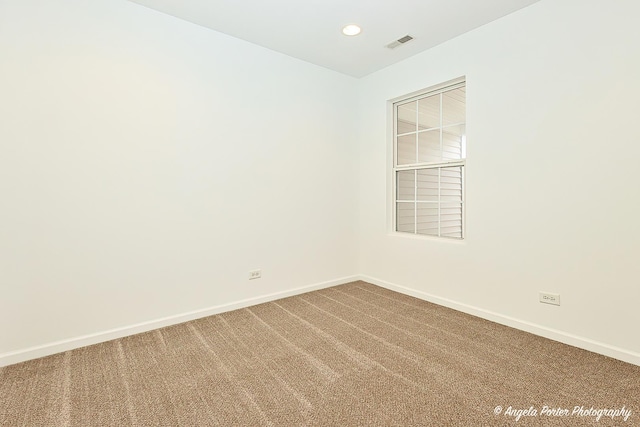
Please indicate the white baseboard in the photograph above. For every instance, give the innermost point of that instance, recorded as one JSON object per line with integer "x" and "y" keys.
{"x": 553, "y": 334}
{"x": 85, "y": 340}
{"x": 23, "y": 355}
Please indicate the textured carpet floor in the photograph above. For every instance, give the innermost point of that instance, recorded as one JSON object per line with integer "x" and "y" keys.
{"x": 350, "y": 355}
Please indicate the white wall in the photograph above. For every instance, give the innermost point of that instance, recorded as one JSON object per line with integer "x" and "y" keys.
{"x": 553, "y": 197}
{"x": 147, "y": 164}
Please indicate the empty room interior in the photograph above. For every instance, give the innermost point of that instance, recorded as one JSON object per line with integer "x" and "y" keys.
{"x": 219, "y": 213}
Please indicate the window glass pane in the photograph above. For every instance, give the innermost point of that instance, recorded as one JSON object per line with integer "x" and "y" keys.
{"x": 406, "y": 120}
{"x": 429, "y": 146}
{"x": 427, "y": 220}
{"x": 453, "y": 139}
{"x": 406, "y": 149}
{"x": 451, "y": 184}
{"x": 406, "y": 187}
{"x": 429, "y": 112}
{"x": 405, "y": 217}
{"x": 428, "y": 184}
{"x": 451, "y": 220}
{"x": 453, "y": 107}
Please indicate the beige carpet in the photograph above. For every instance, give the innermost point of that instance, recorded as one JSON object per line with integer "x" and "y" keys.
{"x": 350, "y": 355}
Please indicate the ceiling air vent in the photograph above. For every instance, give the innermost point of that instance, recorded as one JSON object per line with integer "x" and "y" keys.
{"x": 402, "y": 40}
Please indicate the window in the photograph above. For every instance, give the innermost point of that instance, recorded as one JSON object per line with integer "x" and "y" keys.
{"x": 429, "y": 159}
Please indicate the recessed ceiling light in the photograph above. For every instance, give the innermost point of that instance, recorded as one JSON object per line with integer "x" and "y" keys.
{"x": 351, "y": 30}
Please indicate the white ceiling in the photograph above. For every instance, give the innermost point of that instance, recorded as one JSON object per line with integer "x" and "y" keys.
{"x": 311, "y": 29}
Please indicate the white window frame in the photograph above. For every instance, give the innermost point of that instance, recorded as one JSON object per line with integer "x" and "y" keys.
{"x": 395, "y": 168}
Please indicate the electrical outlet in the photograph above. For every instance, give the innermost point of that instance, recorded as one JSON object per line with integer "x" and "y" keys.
{"x": 548, "y": 298}
{"x": 255, "y": 274}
